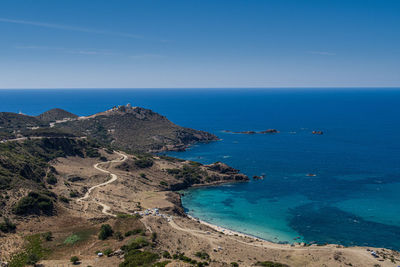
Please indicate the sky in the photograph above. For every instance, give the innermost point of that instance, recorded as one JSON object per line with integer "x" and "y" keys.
{"x": 199, "y": 43}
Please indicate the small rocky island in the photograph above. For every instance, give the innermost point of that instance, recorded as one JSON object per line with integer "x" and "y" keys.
{"x": 269, "y": 131}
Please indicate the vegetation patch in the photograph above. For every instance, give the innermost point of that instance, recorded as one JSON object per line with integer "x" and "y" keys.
{"x": 7, "y": 226}
{"x": 135, "y": 258}
{"x": 34, "y": 203}
{"x": 144, "y": 163}
{"x": 105, "y": 232}
{"x": 72, "y": 239}
{"x": 271, "y": 264}
{"x": 32, "y": 253}
{"x": 189, "y": 174}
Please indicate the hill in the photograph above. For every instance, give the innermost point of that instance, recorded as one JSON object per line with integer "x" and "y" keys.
{"x": 128, "y": 128}
{"x": 56, "y": 114}
{"x": 135, "y": 129}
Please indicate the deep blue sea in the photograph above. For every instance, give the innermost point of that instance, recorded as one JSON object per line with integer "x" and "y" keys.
{"x": 354, "y": 199}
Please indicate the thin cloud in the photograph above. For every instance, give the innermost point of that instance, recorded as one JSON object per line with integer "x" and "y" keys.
{"x": 69, "y": 28}
{"x": 147, "y": 56}
{"x": 321, "y": 53}
{"x": 70, "y": 51}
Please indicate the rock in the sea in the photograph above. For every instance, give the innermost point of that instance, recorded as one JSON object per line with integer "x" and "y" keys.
{"x": 246, "y": 132}
{"x": 269, "y": 131}
{"x": 255, "y": 177}
{"x": 318, "y": 132}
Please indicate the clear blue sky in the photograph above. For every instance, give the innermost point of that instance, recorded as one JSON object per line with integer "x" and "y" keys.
{"x": 203, "y": 43}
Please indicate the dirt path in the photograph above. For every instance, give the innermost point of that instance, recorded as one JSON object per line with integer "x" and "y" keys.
{"x": 114, "y": 177}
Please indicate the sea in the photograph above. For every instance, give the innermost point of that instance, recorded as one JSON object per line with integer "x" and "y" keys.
{"x": 341, "y": 187}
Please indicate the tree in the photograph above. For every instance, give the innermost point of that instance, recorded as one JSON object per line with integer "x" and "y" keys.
{"x": 105, "y": 232}
{"x": 74, "y": 259}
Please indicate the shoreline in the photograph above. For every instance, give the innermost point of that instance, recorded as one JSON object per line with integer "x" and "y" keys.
{"x": 228, "y": 231}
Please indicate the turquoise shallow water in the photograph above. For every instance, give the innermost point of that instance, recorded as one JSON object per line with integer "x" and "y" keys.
{"x": 354, "y": 197}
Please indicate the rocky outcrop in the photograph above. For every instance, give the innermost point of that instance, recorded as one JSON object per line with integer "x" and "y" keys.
{"x": 222, "y": 168}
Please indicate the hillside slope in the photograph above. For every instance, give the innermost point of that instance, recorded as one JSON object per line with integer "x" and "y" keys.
{"x": 136, "y": 129}
{"x": 56, "y": 114}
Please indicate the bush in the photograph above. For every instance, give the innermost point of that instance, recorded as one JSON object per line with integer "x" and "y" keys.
{"x": 153, "y": 237}
{"x": 7, "y": 226}
{"x": 34, "y": 203}
{"x": 51, "y": 179}
{"x": 48, "y": 236}
{"x": 271, "y": 264}
{"x": 163, "y": 183}
{"x": 92, "y": 153}
{"x": 202, "y": 255}
{"x": 135, "y": 258}
{"x": 105, "y": 232}
{"x": 64, "y": 199}
{"x": 138, "y": 242}
{"x": 107, "y": 252}
{"x": 144, "y": 163}
{"x": 143, "y": 175}
{"x": 166, "y": 255}
{"x": 134, "y": 232}
{"x": 32, "y": 259}
{"x": 234, "y": 264}
{"x": 72, "y": 239}
{"x": 74, "y": 259}
{"x": 73, "y": 194}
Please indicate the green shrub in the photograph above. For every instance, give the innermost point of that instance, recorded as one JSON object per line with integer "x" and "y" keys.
{"x": 32, "y": 259}
{"x": 136, "y": 258}
{"x": 7, "y": 226}
{"x": 74, "y": 259}
{"x": 138, "y": 242}
{"x": 134, "y": 232}
{"x": 34, "y": 203}
{"x": 73, "y": 194}
{"x": 105, "y": 232}
{"x": 51, "y": 179}
{"x": 166, "y": 255}
{"x": 144, "y": 163}
{"x": 32, "y": 252}
{"x": 153, "y": 237}
{"x": 202, "y": 255}
{"x": 48, "y": 236}
{"x": 234, "y": 264}
{"x": 92, "y": 153}
{"x": 107, "y": 252}
{"x": 64, "y": 199}
{"x": 72, "y": 239}
{"x": 143, "y": 175}
{"x": 163, "y": 183}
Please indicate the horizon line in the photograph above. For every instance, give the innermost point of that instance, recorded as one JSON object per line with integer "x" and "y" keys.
{"x": 181, "y": 88}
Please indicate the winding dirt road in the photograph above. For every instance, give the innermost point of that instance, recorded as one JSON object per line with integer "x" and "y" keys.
{"x": 106, "y": 209}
